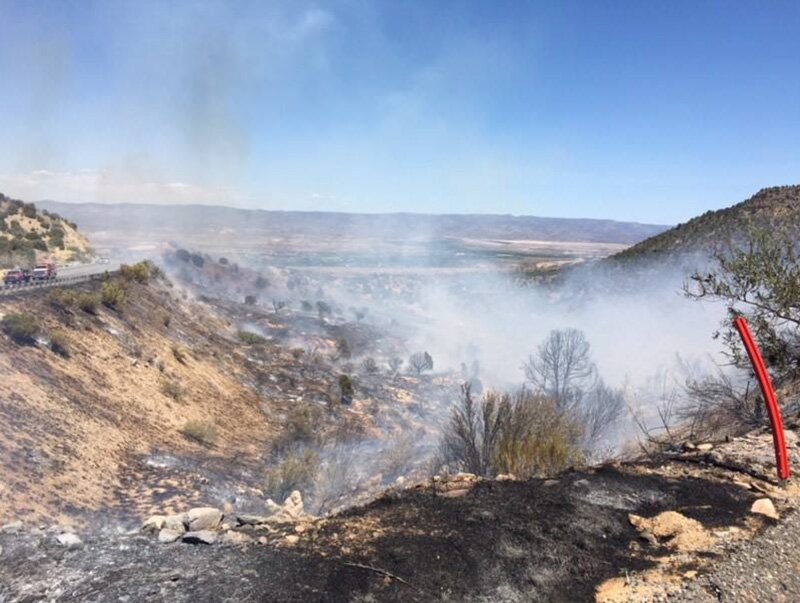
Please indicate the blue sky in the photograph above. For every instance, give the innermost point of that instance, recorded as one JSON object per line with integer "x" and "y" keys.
{"x": 642, "y": 111}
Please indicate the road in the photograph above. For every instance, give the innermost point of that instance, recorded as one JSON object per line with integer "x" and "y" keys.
{"x": 67, "y": 275}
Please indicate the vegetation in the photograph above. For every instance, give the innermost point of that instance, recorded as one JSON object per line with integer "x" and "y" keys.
{"x": 139, "y": 272}
{"x": 369, "y": 365}
{"x": 203, "y": 432}
{"x": 62, "y": 299}
{"x": 172, "y": 388}
{"x": 179, "y": 353}
{"x": 347, "y": 389}
{"x": 767, "y": 209}
{"x": 88, "y": 302}
{"x": 113, "y": 294}
{"x": 21, "y": 327}
{"x": 251, "y": 338}
{"x": 521, "y": 433}
{"x": 420, "y": 362}
{"x": 297, "y": 470}
{"x": 60, "y": 343}
{"x": 758, "y": 279}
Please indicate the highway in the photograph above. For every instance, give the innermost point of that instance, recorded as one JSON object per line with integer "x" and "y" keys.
{"x": 66, "y": 275}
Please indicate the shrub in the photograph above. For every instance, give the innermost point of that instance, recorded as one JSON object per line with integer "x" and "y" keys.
{"x": 29, "y": 210}
{"x": 113, "y": 294}
{"x": 250, "y": 300}
{"x": 183, "y": 255}
{"x": 369, "y": 366}
{"x": 198, "y": 260}
{"x": 297, "y": 470}
{"x": 347, "y": 389}
{"x": 251, "y": 338}
{"x": 139, "y": 272}
{"x": 521, "y": 433}
{"x": 306, "y": 306}
{"x": 261, "y": 282}
{"x": 203, "y": 432}
{"x": 223, "y": 261}
{"x": 62, "y": 299}
{"x": 179, "y": 353}
{"x": 21, "y": 327}
{"x": 88, "y": 302}
{"x": 395, "y": 364}
{"x": 172, "y": 388}
{"x": 60, "y": 344}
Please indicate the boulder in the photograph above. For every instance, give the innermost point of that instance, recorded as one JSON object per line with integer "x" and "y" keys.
{"x": 11, "y": 528}
{"x": 200, "y": 537}
{"x": 236, "y": 538}
{"x": 69, "y": 540}
{"x": 154, "y": 523}
{"x": 764, "y": 506}
{"x": 175, "y": 523}
{"x": 166, "y": 536}
{"x": 704, "y": 447}
{"x": 203, "y": 518}
{"x": 291, "y": 510}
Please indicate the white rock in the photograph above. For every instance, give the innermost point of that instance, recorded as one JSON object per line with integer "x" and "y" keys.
{"x": 203, "y": 518}
{"x": 154, "y": 523}
{"x": 764, "y": 506}
{"x": 704, "y": 447}
{"x": 12, "y": 528}
{"x": 166, "y": 536}
{"x": 175, "y": 523}
{"x": 69, "y": 540}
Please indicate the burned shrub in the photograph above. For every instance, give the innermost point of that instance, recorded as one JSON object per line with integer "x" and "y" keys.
{"x": 59, "y": 343}
{"x": 297, "y": 470}
{"x": 261, "y": 282}
{"x": 198, "y": 260}
{"x": 202, "y": 432}
{"x": 395, "y": 364}
{"x": 346, "y": 389}
{"x": 250, "y": 300}
{"x": 343, "y": 348}
{"x": 420, "y": 362}
{"x": 62, "y": 299}
{"x": 369, "y": 366}
{"x": 183, "y": 255}
{"x": 88, "y": 302}
{"x": 172, "y": 388}
{"x": 21, "y": 327}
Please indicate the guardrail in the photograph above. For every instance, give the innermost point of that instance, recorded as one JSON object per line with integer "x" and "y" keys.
{"x": 32, "y": 285}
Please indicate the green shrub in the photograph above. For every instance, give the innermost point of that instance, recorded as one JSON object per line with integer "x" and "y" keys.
{"x": 251, "y": 338}
{"x": 88, "y": 302}
{"x": 60, "y": 343}
{"x": 139, "y": 272}
{"x": 201, "y": 431}
{"x": 21, "y": 327}
{"x": 113, "y": 294}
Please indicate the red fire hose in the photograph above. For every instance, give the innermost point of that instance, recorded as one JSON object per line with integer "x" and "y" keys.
{"x": 781, "y": 456}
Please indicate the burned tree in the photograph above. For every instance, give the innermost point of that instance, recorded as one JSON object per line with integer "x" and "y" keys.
{"x": 420, "y": 362}
{"x": 562, "y": 366}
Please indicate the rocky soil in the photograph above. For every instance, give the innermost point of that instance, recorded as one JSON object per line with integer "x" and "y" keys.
{"x": 630, "y": 532}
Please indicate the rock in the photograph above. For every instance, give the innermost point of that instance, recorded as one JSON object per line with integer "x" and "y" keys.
{"x": 69, "y": 540}
{"x": 764, "y": 506}
{"x": 236, "y": 538}
{"x": 176, "y": 523}
{"x": 200, "y": 537}
{"x": 455, "y": 493}
{"x": 291, "y": 510}
{"x": 252, "y": 520}
{"x": 203, "y": 518}
{"x": 292, "y": 539}
{"x": 549, "y": 483}
{"x": 166, "y": 536}
{"x": 12, "y": 528}
{"x": 704, "y": 447}
{"x": 506, "y": 477}
{"x": 154, "y": 523}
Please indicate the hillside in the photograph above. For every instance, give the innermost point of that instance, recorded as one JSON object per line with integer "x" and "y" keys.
{"x": 775, "y": 207}
{"x": 28, "y": 235}
{"x": 177, "y": 222}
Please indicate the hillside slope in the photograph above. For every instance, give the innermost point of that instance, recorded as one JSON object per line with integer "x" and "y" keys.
{"x": 775, "y": 207}
{"x": 28, "y": 235}
{"x": 179, "y": 221}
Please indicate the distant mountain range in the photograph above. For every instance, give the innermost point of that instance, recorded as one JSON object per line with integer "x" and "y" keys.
{"x": 777, "y": 207}
{"x": 175, "y": 221}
